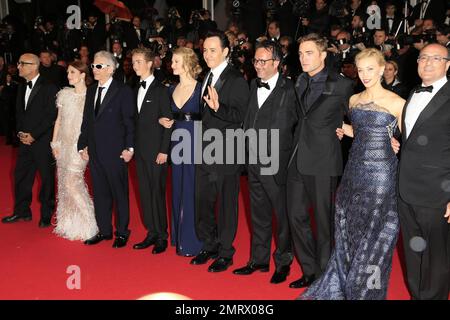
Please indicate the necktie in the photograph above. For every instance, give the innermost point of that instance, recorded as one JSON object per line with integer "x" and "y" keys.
{"x": 424, "y": 89}
{"x": 208, "y": 83}
{"x": 143, "y": 84}
{"x": 306, "y": 93}
{"x": 99, "y": 100}
{"x": 30, "y": 84}
{"x": 261, "y": 84}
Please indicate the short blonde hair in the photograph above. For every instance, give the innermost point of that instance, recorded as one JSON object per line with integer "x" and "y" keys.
{"x": 371, "y": 53}
{"x": 393, "y": 63}
{"x": 190, "y": 61}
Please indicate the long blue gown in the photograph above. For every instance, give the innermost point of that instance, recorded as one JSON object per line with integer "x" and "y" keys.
{"x": 366, "y": 220}
{"x": 183, "y": 185}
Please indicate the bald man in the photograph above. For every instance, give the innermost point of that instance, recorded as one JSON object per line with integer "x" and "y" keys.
{"x": 424, "y": 178}
{"x": 35, "y": 115}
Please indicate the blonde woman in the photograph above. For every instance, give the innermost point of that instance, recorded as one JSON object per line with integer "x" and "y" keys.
{"x": 390, "y": 80}
{"x": 366, "y": 219}
{"x": 186, "y": 97}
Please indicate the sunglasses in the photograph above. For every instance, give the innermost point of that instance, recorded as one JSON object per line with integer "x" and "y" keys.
{"x": 99, "y": 66}
{"x": 23, "y": 63}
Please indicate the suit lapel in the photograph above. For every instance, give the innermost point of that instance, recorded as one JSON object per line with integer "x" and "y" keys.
{"x": 220, "y": 82}
{"x": 329, "y": 88}
{"x": 439, "y": 100}
{"x": 112, "y": 90}
{"x": 34, "y": 91}
{"x": 404, "y": 114}
{"x": 300, "y": 87}
{"x": 147, "y": 95}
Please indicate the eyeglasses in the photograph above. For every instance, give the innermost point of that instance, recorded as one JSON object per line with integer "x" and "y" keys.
{"x": 99, "y": 66}
{"x": 23, "y": 63}
{"x": 260, "y": 61}
{"x": 433, "y": 59}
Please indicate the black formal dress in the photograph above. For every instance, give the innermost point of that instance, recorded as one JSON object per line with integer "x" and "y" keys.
{"x": 315, "y": 165}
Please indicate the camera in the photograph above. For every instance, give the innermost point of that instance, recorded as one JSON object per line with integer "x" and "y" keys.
{"x": 172, "y": 13}
{"x": 239, "y": 51}
{"x": 408, "y": 40}
{"x": 362, "y": 36}
{"x": 39, "y": 21}
{"x": 198, "y": 14}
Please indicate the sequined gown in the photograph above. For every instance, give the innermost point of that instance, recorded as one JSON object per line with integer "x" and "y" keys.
{"x": 366, "y": 221}
{"x": 75, "y": 210}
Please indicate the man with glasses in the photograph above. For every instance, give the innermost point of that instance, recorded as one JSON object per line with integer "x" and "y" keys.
{"x": 35, "y": 116}
{"x": 424, "y": 178}
{"x": 272, "y": 107}
{"x": 107, "y": 141}
{"x": 316, "y": 162}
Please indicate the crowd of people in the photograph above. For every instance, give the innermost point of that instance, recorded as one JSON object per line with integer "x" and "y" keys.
{"x": 162, "y": 89}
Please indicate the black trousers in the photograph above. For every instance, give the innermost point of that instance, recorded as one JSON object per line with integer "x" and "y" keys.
{"x": 110, "y": 186}
{"x": 30, "y": 160}
{"x": 304, "y": 192}
{"x": 265, "y": 196}
{"x": 152, "y": 190}
{"x": 211, "y": 189}
{"x": 427, "y": 262}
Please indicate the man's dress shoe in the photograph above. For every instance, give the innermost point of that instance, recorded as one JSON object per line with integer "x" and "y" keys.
{"x": 203, "y": 257}
{"x": 97, "y": 238}
{"x": 304, "y": 281}
{"x": 148, "y": 241}
{"x": 250, "y": 268}
{"x": 220, "y": 264}
{"x": 280, "y": 275}
{"x": 120, "y": 241}
{"x": 15, "y": 218}
{"x": 160, "y": 246}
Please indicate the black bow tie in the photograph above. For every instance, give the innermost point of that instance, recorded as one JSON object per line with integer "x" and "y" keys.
{"x": 30, "y": 84}
{"x": 143, "y": 84}
{"x": 424, "y": 89}
{"x": 390, "y": 18}
{"x": 261, "y": 84}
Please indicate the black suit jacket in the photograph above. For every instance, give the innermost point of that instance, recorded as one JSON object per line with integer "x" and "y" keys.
{"x": 424, "y": 170}
{"x": 151, "y": 137}
{"x": 40, "y": 114}
{"x": 436, "y": 10}
{"x": 316, "y": 145}
{"x": 278, "y": 112}
{"x": 396, "y": 23}
{"x": 112, "y": 130}
{"x": 233, "y": 96}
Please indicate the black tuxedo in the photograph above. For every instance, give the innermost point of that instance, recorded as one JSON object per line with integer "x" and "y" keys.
{"x": 152, "y": 139}
{"x": 37, "y": 119}
{"x": 267, "y": 191}
{"x": 436, "y": 10}
{"x": 220, "y": 182}
{"x": 106, "y": 136}
{"x": 315, "y": 164}
{"x": 423, "y": 184}
{"x": 396, "y": 22}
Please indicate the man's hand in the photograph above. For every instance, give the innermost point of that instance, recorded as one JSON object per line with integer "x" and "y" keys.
{"x": 126, "y": 155}
{"x": 447, "y": 213}
{"x": 333, "y": 49}
{"x": 340, "y": 133}
{"x": 212, "y": 99}
{"x": 26, "y": 138}
{"x": 161, "y": 158}
{"x": 166, "y": 122}
{"x": 84, "y": 154}
{"x": 395, "y": 145}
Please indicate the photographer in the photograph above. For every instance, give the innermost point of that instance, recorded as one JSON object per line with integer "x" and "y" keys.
{"x": 341, "y": 50}
{"x": 443, "y": 35}
{"x": 96, "y": 34}
{"x": 205, "y": 24}
{"x": 290, "y": 65}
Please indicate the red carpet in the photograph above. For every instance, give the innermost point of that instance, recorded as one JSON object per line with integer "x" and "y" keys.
{"x": 34, "y": 262}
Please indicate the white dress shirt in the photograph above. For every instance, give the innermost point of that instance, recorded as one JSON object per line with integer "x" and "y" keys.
{"x": 28, "y": 90}
{"x": 105, "y": 89}
{"x": 418, "y": 103}
{"x": 142, "y": 92}
{"x": 263, "y": 93}
{"x": 217, "y": 71}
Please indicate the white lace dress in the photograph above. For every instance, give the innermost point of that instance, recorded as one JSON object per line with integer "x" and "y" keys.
{"x": 75, "y": 211}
